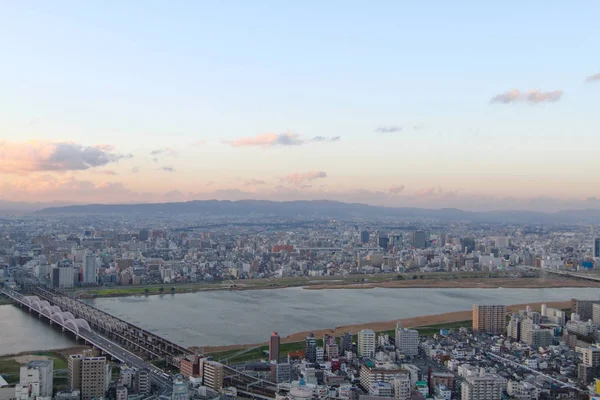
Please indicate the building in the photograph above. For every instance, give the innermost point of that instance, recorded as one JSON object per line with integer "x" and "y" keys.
{"x": 383, "y": 242}
{"x": 513, "y": 330}
{"x": 90, "y": 270}
{"x": 366, "y": 343}
{"x": 487, "y": 387}
{"x": 591, "y": 356}
{"x": 281, "y": 372}
{"x": 212, "y": 375}
{"x": 274, "y": 343}
{"x": 597, "y": 247}
{"x": 534, "y": 335}
{"x": 311, "y": 348}
{"x": 88, "y": 375}
{"x": 402, "y": 387}
{"x": 38, "y": 377}
{"x": 189, "y": 366}
{"x": 347, "y": 341}
{"x": 142, "y": 381}
{"x": 371, "y": 373}
{"x": 583, "y": 308}
{"x": 489, "y": 319}
{"x": 418, "y": 239}
{"x": 121, "y": 393}
{"x": 364, "y": 236}
{"x": 407, "y": 340}
{"x": 332, "y": 350}
{"x": 180, "y": 389}
{"x": 63, "y": 277}
{"x": 381, "y": 389}
{"x": 468, "y": 245}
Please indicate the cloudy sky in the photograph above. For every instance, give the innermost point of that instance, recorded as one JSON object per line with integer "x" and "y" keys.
{"x": 469, "y": 104}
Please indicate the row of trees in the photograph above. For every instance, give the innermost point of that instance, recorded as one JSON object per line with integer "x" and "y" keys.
{"x": 161, "y": 290}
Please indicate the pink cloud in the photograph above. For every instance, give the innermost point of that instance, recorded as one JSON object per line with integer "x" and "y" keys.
{"x": 426, "y": 192}
{"x": 533, "y": 96}
{"x": 269, "y": 140}
{"x": 593, "y": 78}
{"x": 396, "y": 189}
{"x": 35, "y": 155}
{"x": 298, "y": 178}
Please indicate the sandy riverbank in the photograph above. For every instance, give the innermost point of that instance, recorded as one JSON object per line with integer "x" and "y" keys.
{"x": 422, "y": 321}
{"x": 471, "y": 283}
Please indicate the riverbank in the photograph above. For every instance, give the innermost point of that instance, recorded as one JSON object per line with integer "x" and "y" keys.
{"x": 10, "y": 364}
{"x": 428, "y": 280}
{"x": 414, "y": 322}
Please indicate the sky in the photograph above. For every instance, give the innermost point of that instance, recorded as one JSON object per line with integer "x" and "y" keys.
{"x": 468, "y": 104}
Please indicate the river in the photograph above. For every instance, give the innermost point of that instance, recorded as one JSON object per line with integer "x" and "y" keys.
{"x": 230, "y": 317}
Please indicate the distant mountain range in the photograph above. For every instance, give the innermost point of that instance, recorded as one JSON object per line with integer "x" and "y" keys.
{"x": 322, "y": 209}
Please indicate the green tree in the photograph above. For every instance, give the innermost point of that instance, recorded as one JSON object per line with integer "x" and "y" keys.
{"x": 161, "y": 290}
{"x": 400, "y": 277}
{"x": 146, "y": 291}
{"x": 173, "y": 290}
{"x": 415, "y": 277}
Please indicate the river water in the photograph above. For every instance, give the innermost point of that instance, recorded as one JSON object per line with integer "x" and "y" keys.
{"x": 229, "y": 317}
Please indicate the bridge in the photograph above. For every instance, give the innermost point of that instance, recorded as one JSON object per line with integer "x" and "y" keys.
{"x": 123, "y": 341}
{"x": 148, "y": 344}
{"x": 82, "y": 330}
{"x": 577, "y": 275}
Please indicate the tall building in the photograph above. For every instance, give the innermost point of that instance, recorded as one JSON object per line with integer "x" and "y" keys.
{"x": 63, "y": 277}
{"x": 311, "y": 348}
{"x": 364, "y": 236}
{"x": 180, "y": 389}
{"x": 468, "y": 245}
{"x": 487, "y": 387}
{"x": 583, "y": 308}
{"x": 90, "y": 269}
{"x": 383, "y": 241}
{"x": 274, "y": 342}
{"x": 402, "y": 387}
{"x": 418, "y": 239}
{"x": 87, "y": 374}
{"x": 366, "y": 343}
{"x": 513, "y": 330}
{"x": 591, "y": 356}
{"x": 371, "y": 373}
{"x": 281, "y": 372}
{"x": 38, "y": 377}
{"x": 142, "y": 381}
{"x": 597, "y": 247}
{"x": 489, "y": 319}
{"x": 347, "y": 341}
{"x": 407, "y": 340}
{"x": 212, "y": 375}
{"x": 534, "y": 335}
{"x": 144, "y": 235}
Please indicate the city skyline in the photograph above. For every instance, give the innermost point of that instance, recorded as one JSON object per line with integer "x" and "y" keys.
{"x": 471, "y": 106}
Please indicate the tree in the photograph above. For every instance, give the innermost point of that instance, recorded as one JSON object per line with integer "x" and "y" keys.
{"x": 146, "y": 291}
{"x": 415, "y": 277}
{"x": 162, "y": 289}
{"x": 173, "y": 290}
{"x": 400, "y": 277}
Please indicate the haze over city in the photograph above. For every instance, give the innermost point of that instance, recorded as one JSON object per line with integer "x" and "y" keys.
{"x": 467, "y": 105}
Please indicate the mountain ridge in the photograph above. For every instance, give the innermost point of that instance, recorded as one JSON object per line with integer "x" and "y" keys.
{"x": 321, "y": 208}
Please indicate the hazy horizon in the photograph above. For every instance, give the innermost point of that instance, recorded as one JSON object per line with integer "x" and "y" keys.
{"x": 470, "y": 105}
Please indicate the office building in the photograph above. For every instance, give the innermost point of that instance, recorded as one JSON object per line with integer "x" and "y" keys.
{"x": 407, "y": 340}
{"x": 468, "y": 245}
{"x": 212, "y": 375}
{"x": 90, "y": 270}
{"x": 487, "y": 387}
{"x": 274, "y": 343}
{"x": 383, "y": 242}
{"x": 63, "y": 277}
{"x": 180, "y": 389}
{"x": 38, "y": 377}
{"x": 418, "y": 239}
{"x": 281, "y": 372}
{"x": 489, "y": 319}
{"x": 88, "y": 375}
{"x": 597, "y": 247}
{"x": 366, "y": 343}
{"x": 596, "y": 314}
{"x": 311, "y": 348}
{"x": 364, "y": 237}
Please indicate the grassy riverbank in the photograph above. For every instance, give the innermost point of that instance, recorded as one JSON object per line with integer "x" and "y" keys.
{"x": 260, "y": 352}
{"x": 363, "y": 281}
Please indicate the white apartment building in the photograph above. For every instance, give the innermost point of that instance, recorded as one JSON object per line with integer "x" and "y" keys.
{"x": 366, "y": 343}
{"x": 402, "y": 387}
{"x": 407, "y": 340}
